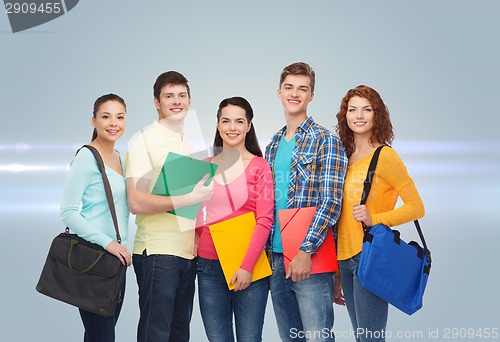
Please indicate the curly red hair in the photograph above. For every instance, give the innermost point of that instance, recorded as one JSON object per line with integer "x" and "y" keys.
{"x": 382, "y": 126}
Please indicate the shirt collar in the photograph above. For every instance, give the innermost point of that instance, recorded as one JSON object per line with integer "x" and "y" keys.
{"x": 303, "y": 128}
{"x": 167, "y": 131}
{"x": 306, "y": 125}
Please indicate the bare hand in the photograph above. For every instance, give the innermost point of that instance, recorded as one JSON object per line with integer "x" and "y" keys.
{"x": 300, "y": 267}
{"x": 338, "y": 296}
{"x": 120, "y": 252}
{"x": 361, "y": 214}
{"x": 242, "y": 278}
{"x": 202, "y": 192}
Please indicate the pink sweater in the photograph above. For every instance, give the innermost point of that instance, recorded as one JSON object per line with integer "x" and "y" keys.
{"x": 252, "y": 191}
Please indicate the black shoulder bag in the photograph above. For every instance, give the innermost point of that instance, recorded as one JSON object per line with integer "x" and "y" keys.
{"x": 82, "y": 273}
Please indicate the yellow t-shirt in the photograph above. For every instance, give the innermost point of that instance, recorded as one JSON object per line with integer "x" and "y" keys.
{"x": 390, "y": 181}
{"x": 163, "y": 233}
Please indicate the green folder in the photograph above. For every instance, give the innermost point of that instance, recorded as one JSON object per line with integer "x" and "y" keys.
{"x": 179, "y": 175}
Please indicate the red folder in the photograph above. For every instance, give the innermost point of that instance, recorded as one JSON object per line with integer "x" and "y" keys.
{"x": 294, "y": 225}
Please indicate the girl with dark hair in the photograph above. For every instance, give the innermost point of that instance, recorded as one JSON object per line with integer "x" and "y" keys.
{"x": 251, "y": 142}
{"x": 85, "y": 209}
{"x": 243, "y": 183}
{"x": 363, "y": 125}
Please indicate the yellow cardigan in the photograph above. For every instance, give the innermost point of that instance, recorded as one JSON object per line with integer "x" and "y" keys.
{"x": 390, "y": 181}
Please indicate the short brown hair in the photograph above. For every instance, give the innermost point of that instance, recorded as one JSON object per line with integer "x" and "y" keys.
{"x": 169, "y": 77}
{"x": 299, "y": 68}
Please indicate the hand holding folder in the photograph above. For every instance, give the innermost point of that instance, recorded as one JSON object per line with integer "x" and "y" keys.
{"x": 294, "y": 225}
{"x": 178, "y": 176}
{"x": 231, "y": 239}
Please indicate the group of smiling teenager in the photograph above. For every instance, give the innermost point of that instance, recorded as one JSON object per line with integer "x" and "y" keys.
{"x": 304, "y": 165}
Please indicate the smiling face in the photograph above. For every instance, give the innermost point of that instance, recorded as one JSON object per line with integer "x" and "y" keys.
{"x": 295, "y": 94}
{"x": 360, "y": 116}
{"x": 173, "y": 102}
{"x": 109, "y": 121}
{"x": 233, "y": 126}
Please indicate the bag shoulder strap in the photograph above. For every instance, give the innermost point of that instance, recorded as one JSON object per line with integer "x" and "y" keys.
{"x": 421, "y": 235}
{"x": 107, "y": 188}
{"x": 367, "y": 185}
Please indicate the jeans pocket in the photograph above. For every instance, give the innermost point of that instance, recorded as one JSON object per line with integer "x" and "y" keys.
{"x": 201, "y": 265}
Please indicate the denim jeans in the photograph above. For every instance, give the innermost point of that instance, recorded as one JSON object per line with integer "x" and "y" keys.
{"x": 218, "y": 304}
{"x": 166, "y": 293}
{"x": 304, "y": 309}
{"x": 368, "y": 313}
{"x": 100, "y": 328}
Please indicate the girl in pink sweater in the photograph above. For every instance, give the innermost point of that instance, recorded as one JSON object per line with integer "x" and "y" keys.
{"x": 243, "y": 183}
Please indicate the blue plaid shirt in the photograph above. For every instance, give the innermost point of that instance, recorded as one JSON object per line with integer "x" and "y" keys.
{"x": 317, "y": 174}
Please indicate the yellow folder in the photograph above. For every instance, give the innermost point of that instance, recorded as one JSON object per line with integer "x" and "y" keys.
{"x": 231, "y": 239}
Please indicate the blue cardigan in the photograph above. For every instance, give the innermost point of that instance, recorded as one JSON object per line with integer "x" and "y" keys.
{"x": 84, "y": 207}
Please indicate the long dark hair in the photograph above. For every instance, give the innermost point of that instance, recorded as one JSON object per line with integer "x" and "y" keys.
{"x": 100, "y": 101}
{"x": 251, "y": 141}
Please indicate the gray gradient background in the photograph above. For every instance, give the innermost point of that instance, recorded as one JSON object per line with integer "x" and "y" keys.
{"x": 435, "y": 63}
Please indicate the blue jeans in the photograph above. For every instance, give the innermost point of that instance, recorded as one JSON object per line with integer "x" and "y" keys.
{"x": 368, "y": 313}
{"x": 218, "y": 304}
{"x": 304, "y": 309}
{"x": 166, "y": 292}
{"x": 100, "y": 328}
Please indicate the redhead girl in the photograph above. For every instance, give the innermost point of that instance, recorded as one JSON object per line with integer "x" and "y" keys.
{"x": 364, "y": 125}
